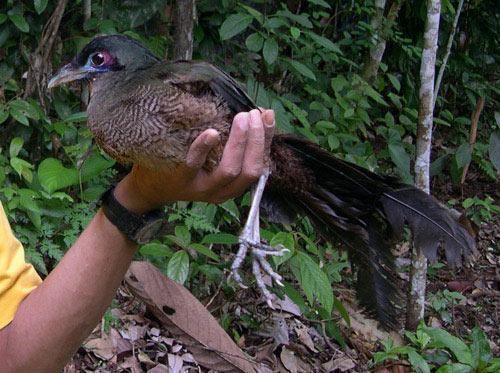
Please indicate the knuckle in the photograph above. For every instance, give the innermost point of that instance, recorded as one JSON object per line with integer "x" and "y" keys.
{"x": 194, "y": 161}
{"x": 259, "y": 140}
{"x": 230, "y": 172}
{"x": 253, "y": 174}
{"x": 240, "y": 144}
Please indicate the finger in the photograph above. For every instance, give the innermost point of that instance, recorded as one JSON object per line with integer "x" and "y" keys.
{"x": 234, "y": 152}
{"x": 268, "y": 119}
{"x": 198, "y": 151}
{"x": 252, "y": 165}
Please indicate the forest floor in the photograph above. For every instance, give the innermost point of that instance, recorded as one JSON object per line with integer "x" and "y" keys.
{"x": 131, "y": 339}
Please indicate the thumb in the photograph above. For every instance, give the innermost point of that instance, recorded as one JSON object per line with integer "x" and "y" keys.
{"x": 198, "y": 151}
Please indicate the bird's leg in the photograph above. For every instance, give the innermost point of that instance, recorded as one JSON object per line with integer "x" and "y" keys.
{"x": 250, "y": 238}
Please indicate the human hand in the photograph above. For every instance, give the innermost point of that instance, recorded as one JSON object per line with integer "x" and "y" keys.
{"x": 243, "y": 161}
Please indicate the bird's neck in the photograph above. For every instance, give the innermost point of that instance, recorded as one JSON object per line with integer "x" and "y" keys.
{"x": 102, "y": 85}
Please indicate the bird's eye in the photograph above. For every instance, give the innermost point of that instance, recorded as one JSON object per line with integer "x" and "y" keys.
{"x": 98, "y": 59}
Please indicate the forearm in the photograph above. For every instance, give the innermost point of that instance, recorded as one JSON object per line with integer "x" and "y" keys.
{"x": 52, "y": 322}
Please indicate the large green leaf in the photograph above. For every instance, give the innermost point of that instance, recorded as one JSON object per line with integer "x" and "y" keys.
{"x": 418, "y": 362}
{"x": 94, "y": 165}
{"x": 20, "y": 22}
{"x": 402, "y": 161}
{"x": 302, "y": 69}
{"x": 270, "y": 50}
{"x": 286, "y": 240}
{"x": 234, "y": 24}
{"x": 53, "y": 176}
{"x": 394, "y": 81}
{"x": 254, "y": 42}
{"x": 3, "y": 115}
{"x": 480, "y": 348}
{"x": 26, "y": 108}
{"x": 493, "y": 150}
{"x": 204, "y": 251}
{"x": 220, "y": 238}
{"x": 322, "y": 3}
{"x": 454, "y": 368}
{"x": 463, "y": 155}
{"x": 40, "y": 5}
{"x": 442, "y": 339}
{"x": 312, "y": 280}
{"x": 155, "y": 249}
{"x": 23, "y": 168}
{"x": 183, "y": 234}
{"x": 15, "y": 147}
{"x": 178, "y": 267}
{"x": 324, "y": 42}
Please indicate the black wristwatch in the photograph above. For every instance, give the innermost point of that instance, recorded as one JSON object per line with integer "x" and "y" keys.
{"x": 137, "y": 228}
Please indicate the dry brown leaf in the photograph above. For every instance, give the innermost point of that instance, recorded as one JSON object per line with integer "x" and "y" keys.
{"x": 187, "y": 319}
{"x": 304, "y": 337}
{"x": 293, "y": 362}
{"x": 160, "y": 368}
{"x": 188, "y": 358}
{"x": 287, "y": 305}
{"x": 134, "y": 332}
{"x": 369, "y": 328}
{"x": 145, "y": 359}
{"x": 341, "y": 364}
{"x": 130, "y": 363}
{"x": 276, "y": 328}
{"x": 434, "y": 322}
{"x": 175, "y": 363}
{"x": 265, "y": 355}
{"x": 101, "y": 347}
{"x": 289, "y": 360}
{"x": 176, "y": 349}
{"x": 120, "y": 345}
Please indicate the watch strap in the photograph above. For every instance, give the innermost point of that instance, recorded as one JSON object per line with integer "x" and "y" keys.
{"x": 128, "y": 222}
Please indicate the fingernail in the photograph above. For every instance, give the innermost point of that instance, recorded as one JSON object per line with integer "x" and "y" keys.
{"x": 268, "y": 118}
{"x": 212, "y": 138}
{"x": 241, "y": 120}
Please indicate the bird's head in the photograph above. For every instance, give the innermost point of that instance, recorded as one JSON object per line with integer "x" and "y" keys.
{"x": 102, "y": 55}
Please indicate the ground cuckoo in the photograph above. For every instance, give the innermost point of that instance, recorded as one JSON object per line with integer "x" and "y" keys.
{"x": 147, "y": 111}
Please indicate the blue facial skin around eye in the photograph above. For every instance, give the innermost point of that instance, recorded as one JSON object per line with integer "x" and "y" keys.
{"x": 96, "y": 69}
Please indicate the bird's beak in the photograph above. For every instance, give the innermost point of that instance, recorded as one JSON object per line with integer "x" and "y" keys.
{"x": 68, "y": 73}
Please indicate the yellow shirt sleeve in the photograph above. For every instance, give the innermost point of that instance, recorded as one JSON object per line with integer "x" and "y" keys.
{"x": 17, "y": 278}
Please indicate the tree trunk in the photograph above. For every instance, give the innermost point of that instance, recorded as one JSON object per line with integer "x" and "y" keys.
{"x": 448, "y": 50}
{"x": 381, "y": 27}
{"x": 85, "y": 94}
{"x": 184, "y": 18}
{"x": 40, "y": 60}
{"x": 416, "y": 299}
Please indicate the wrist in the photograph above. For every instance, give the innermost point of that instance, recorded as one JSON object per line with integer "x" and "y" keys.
{"x": 128, "y": 193}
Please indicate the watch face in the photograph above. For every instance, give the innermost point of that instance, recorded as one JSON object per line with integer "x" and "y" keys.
{"x": 148, "y": 231}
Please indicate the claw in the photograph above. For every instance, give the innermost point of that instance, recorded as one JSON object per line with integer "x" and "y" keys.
{"x": 269, "y": 270}
{"x": 262, "y": 286}
{"x": 250, "y": 238}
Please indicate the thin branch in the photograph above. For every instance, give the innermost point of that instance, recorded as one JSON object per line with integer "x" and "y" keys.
{"x": 448, "y": 51}
{"x": 473, "y": 133}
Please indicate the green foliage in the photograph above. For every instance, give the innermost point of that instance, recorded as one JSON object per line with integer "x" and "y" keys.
{"x": 303, "y": 60}
{"x": 481, "y": 210}
{"x": 436, "y": 349}
{"x": 441, "y": 301}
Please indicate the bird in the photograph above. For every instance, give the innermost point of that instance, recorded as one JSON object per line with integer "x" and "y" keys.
{"x": 148, "y": 111}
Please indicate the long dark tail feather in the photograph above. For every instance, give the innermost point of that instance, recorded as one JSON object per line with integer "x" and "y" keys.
{"x": 366, "y": 212}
